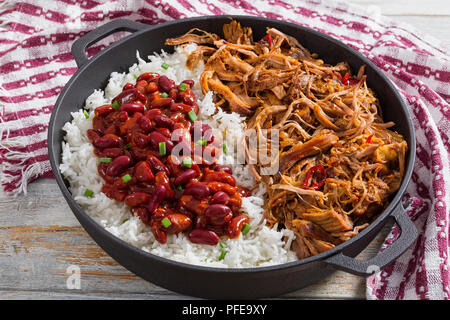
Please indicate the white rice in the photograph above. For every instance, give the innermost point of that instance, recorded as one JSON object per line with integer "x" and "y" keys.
{"x": 262, "y": 246}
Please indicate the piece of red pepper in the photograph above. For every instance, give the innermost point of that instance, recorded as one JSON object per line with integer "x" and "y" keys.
{"x": 315, "y": 185}
{"x": 369, "y": 139}
{"x": 268, "y": 38}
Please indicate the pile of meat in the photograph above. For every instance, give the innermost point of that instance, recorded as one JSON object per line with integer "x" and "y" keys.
{"x": 338, "y": 162}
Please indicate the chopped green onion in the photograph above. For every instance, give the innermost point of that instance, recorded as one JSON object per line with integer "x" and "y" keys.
{"x": 88, "y": 193}
{"x": 187, "y": 162}
{"x": 86, "y": 115}
{"x": 245, "y": 229}
{"x": 104, "y": 159}
{"x": 222, "y": 254}
{"x": 166, "y": 222}
{"x": 202, "y": 142}
{"x": 126, "y": 178}
{"x": 116, "y": 105}
{"x": 224, "y": 148}
{"x": 180, "y": 188}
{"x": 223, "y": 245}
{"x": 135, "y": 76}
{"x": 183, "y": 86}
{"x": 192, "y": 115}
{"x": 125, "y": 220}
{"x": 165, "y": 66}
{"x": 164, "y": 95}
{"x": 162, "y": 148}
{"x": 127, "y": 146}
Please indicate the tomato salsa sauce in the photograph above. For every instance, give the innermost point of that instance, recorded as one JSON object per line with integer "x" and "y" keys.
{"x": 154, "y": 156}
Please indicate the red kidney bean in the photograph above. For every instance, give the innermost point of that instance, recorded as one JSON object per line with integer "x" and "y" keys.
{"x": 156, "y": 164}
{"x": 160, "y": 102}
{"x": 103, "y": 111}
{"x": 179, "y": 223}
{"x": 107, "y": 141}
{"x": 148, "y": 76}
{"x": 142, "y": 98}
{"x": 93, "y": 134}
{"x": 142, "y": 213}
{"x": 140, "y": 139}
{"x": 118, "y": 165}
{"x": 220, "y": 198}
{"x": 165, "y": 84}
{"x": 152, "y": 113}
{"x": 162, "y": 179}
{"x": 189, "y": 82}
{"x": 235, "y": 226}
{"x": 157, "y": 137}
{"x": 143, "y": 172}
{"x": 126, "y": 96}
{"x": 173, "y": 93}
{"x": 185, "y": 177}
{"x": 198, "y": 190}
{"x": 156, "y": 197}
{"x": 145, "y": 124}
{"x": 220, "y": 176}
{"x": 203, "y": 236}
{"x": 112, "y": 192}
{"x": 111, "y": 152}
{"x": 157, "y": 231}
{"x": 224, "y": 168}
{"x": 128, "y": 86}
{"x": 218, "y": 214}
{"x": 180, "y": 107}
{"x": 163, "y": 121}
{"x": 244, "y": 192}
{"x": 136, "y": 199}
{"x": 187, "y": 96}
{"x": 132, "y": 107}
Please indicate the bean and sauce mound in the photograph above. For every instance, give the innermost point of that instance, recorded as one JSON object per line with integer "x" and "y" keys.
{"x": 135, "y": 139}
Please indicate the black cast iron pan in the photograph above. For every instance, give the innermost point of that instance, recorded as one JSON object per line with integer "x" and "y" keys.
{"x": 221, "y": 283}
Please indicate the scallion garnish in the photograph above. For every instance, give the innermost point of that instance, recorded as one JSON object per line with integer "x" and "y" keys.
{"x": 126, "y": 178}
{"x": 183, "y": 86}
{"x": 104, "y": 159}
{"x": 125, "y": 220}
{"x": 165, "y": 66}
{"x": 86, "y": 115}
{"x": 192, "y": 115}
{"x": 164, "y": 95}
{"x": 166, "y": 222}
{"x": 223, "y": 245}
{"x": 127, "y": 146}
{"x": 162, "y": 148}
{"x": 222, "y": 254}
{"x": 202, "y": 142}
{"x": 187, "y": 162}
{"x": 245, "y": 229}
{"x": 116, "y": 105}
{"x": 224, "y": 148}
{"x": 180, "y": 188}
{"x": 88, "y": 193}
{"x": 135, "y": 76}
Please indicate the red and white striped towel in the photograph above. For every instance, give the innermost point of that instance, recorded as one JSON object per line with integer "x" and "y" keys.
{"x": 35, "y": 64}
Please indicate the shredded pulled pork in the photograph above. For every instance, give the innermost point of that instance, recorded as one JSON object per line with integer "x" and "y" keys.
{"x": 338, "y": 161}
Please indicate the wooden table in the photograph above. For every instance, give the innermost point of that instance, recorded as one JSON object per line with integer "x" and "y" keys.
{"x": 40, "y": 237}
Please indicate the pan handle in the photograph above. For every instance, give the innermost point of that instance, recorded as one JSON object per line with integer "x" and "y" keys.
{"x": 401, "y": 244}
{"x": 80, "y": 45}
